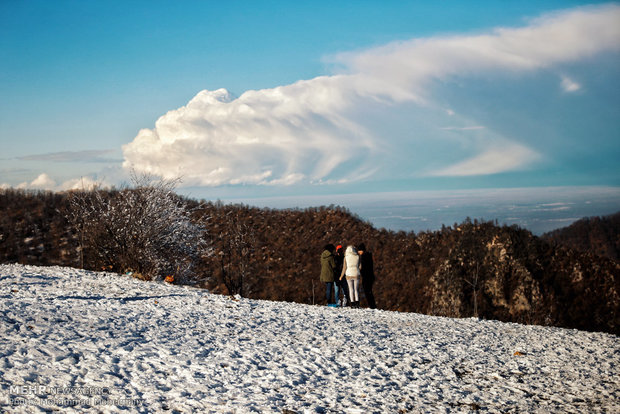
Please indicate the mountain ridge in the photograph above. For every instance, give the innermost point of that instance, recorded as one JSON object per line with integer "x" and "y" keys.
{"x": 599, "y": 235}
{"x": 475, "y": 268}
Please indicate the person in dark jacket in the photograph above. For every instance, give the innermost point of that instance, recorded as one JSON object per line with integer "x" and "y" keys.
{"x": 328, "y": 266}
{"x": 368, "y": 274}
{"x": 340, "y": 285}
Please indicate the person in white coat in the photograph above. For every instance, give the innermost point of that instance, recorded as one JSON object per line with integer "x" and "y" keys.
{"x": 351, "y": 269}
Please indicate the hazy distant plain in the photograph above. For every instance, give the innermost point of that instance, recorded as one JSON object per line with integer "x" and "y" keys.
{"x": 537, "y": 209}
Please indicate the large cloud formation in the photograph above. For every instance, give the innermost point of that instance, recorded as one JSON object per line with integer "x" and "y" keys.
{"x": 271, "y": 136}
{"x": 318, "y": 130}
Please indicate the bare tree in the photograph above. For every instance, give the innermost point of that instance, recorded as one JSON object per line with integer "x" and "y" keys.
{"x": 473, "y": 281}
{"x": 237, "y": 241}
{"x": 145, "y": 229}
{"x": 472, "y": 253}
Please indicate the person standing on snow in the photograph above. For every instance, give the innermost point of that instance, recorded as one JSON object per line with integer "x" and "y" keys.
{"x": 351, "y": 270}
{"x": 341, "y": 285}
{"x": 328, "y": 266}
{"x": 368, "y": 274}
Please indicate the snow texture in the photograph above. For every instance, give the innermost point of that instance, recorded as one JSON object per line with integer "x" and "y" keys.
{"x": 80, "y": 341}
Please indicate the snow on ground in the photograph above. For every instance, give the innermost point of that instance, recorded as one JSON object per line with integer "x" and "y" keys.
{"x": 79, "y": 341}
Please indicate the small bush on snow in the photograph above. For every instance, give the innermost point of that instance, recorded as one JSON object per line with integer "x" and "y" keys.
{"x": 145, "y": 229}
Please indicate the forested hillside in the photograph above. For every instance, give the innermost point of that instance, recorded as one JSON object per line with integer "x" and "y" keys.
{"x": 470, "y": 269}
{"x": 599, "y": 235}
{"x": 33, "y": 230}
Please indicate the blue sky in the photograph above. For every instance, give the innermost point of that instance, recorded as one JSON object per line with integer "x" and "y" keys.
{"x": 249, "y": 99}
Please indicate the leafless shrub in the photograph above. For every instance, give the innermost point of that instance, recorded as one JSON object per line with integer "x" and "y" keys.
{"x": 144, "y": 229}
{"x": 237, "y": 244}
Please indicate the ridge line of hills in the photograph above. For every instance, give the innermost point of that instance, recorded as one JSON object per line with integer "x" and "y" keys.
{"x": 598, "y": 235}
{"x": 476, "y": 268}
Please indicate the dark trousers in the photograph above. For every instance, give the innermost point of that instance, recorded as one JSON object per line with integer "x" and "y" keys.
{"x": 370, "y": 297}
{"x": 329, "y": 286}
{"x": 344, "y": 287}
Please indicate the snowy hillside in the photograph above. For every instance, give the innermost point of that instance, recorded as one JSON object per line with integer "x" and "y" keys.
{"x": 83, "y": 341}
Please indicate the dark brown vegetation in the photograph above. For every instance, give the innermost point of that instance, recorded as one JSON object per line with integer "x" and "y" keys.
{"x": 32, "y": 231}
{"x": 474, "y": 268}
{"x": 598, "y": 235}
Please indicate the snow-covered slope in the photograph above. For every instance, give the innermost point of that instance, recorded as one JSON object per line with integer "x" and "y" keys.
{"x": 81, "y": 341}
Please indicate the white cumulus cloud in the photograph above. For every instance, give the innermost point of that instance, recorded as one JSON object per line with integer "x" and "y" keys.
{"x": 82, "y": 183}
{"x": 317, "y": 130}
{"x": 44, "y": 182}
{"x": 272, "y": 136}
